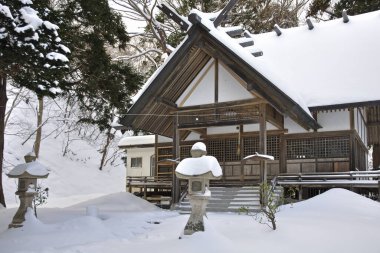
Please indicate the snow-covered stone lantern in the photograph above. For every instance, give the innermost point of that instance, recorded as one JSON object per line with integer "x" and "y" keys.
{"x": 199, "y": 170}
{"x": 27, "y": 174}
{"x": 261, "y": 157}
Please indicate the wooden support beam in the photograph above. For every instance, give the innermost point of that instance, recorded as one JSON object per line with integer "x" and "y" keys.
{"x": 235, "y": 32}
{"x": 251, "y": 101}
{"x": 176, "y": 154}
{"x": 352, "y": 119}
{"x": 167, "y": 102}
{"x": 223, "y": 14}
{"x": 254, "y": 120}
{"x": 274, "y": 117}
{"x": 183, "y": 135}
{"x": 241, "y": 152}
{"x": 216, "y": 81}
{"x": 202, "y": 131}
{"x": 246, "y": 42}
{"x": 263, "y": 142}
{"x": 373, "y": 124}
{"x": 352, "y": 151}
{"x": 172, "y": 14}
{"x": 282, "y": 154}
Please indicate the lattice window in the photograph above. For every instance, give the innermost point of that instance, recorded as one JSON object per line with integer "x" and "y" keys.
{"x": 231, "y": 149}
{"x": 165, "y": 150}
{"x": 324, "y": 147}
{"x": 300, "y": 149}
{"x": 332, "y": 147}
{"x": 185, "y": 152}
{"x": 216, "y": 148}
{"x": 273, "y": 146}
{"x": 251, "y": 145}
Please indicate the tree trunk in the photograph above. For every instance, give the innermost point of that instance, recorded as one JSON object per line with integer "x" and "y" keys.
{"x": 37, "y": 142}
{"x": 105, "y": 149}
{"x": 3, "y": 104}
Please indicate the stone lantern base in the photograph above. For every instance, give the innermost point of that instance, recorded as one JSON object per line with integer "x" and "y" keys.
{"x": 198, "y": 209}
{"x": 26, "y": 200}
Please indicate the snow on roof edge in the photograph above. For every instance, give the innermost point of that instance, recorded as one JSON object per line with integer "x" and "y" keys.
{"x": 130, "y": 141}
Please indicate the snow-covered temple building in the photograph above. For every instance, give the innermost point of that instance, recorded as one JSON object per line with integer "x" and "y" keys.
{"x": 308, "y": 96}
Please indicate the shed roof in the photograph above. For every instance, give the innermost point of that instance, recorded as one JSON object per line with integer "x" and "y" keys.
{"x": 130, "y": 141}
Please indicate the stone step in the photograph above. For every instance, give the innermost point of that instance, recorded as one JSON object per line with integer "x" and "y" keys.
{"x": 230, "y": 199}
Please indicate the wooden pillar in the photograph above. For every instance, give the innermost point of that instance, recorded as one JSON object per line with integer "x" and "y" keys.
{"x": 282, "y": 154}
{"x": 352, "y": 140}
{"x": 145, "y": 187}
{"x": 376, "y": 156}
{"x": 300, "y": 193}
{"x": 263, "y": 142}
{"x": 176, "y": 154}
{"x": 241, "y": 152}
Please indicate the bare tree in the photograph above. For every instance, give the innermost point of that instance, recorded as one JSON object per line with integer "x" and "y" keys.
{"x": 40, "y": 110}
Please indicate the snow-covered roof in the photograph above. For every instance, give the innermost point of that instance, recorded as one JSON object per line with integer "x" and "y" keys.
{"x": 34, "y": 169}
{"x": 313, "y": 66}
{"x": 136, "y": 140}
{"x": 334, "y": 63}
{"x": 199, "y": 166}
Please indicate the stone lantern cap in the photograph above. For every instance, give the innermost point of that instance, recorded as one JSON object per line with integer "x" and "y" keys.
{"x": 29, "y": 170}
{"x": 199, "y": 165}
{"x": 204, "y": 166}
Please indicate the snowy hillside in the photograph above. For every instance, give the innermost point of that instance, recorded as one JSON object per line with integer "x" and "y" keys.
{"x": 73, "y": 177}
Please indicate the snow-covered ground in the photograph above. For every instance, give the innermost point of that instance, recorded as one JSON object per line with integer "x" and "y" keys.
{"x": 336, "y": 221}
{"x": 88, "y": 210}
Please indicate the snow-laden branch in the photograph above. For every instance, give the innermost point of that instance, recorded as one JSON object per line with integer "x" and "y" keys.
{"x": 140, "y": 54}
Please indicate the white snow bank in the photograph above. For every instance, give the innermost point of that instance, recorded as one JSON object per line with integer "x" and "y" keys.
{"x": 339, "y": 202}
{"x": 199, "y": 166}
{"x": 122, "y": 201}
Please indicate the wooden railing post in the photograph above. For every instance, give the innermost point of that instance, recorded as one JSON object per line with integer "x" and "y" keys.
{"x": 145, "y": 188}
{"x": 129, "y": 184}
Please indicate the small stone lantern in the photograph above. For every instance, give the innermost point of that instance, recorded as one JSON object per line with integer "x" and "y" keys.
{"x": 27, "y": 174}
{"x": 261, "y": 157}
{"x": 199, "y": 170}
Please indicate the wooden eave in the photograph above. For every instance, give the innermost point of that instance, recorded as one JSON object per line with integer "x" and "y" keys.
{"x": 154, "y": 110}
{"x": 344, "y": 106}
{"x": 160, "y": 96}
